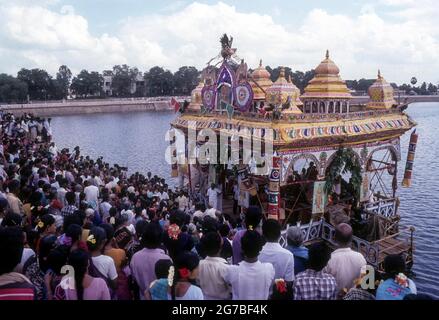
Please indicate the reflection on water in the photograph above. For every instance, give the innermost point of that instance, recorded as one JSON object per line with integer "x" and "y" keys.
{"x": 137, "y": 140}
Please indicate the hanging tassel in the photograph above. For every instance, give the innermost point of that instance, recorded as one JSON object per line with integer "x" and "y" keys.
{"x": 407, "y": 181}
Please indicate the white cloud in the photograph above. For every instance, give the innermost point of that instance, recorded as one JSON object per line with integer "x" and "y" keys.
{"x": 402, "y": 46}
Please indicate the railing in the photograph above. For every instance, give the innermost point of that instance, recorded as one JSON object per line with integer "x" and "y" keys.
{"x": 325, "y": 231}
{"x": 383, "y": 207}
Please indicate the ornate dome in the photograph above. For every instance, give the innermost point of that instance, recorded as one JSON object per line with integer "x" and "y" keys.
{"x": 282, "y": 91}
{"x": 327, "y": 82}
{"x": 262, "y": 78}
{"x": 196, "y": 99}
{"x": 327, "y": 66}
{"x": 381, "y": 94}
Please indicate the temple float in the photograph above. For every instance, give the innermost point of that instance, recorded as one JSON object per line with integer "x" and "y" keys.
{"x": 325, "y": 159}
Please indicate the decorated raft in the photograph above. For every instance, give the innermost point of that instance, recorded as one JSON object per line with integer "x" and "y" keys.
{"x": 327, "y": 161}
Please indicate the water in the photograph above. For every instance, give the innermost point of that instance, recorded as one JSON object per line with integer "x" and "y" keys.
{"x": 137, "y": 140}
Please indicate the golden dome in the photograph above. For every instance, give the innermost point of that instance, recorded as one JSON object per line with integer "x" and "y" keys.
{"x": 262, "y": 78}
{"x": 196, "y": 99}
{"x": 327, "y": 66}
{"x": 327, "y": 82}
{"x": 282, "y": 91}
{"x": 381, "y": 94}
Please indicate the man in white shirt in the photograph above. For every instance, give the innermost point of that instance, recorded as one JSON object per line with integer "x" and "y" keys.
{"x": 213, "y": 269}
{"x": 272, "y": 252}
{"x": 212, "y": 195}
{"x": 91, "y": 193}
{"x": 345, "y": 264}
{"x": 183, "y": 201}
{"x": 251, "y": 279}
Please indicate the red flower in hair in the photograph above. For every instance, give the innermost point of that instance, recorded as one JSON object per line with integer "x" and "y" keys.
{"x": 281, "y": 286}
{"x": 184, "y": 273}
{"x": 174, "y": 231}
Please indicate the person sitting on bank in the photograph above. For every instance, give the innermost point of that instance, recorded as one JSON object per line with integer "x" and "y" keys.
{"x": 314, "y": 283}
{"x": 296, "y": 247}
{"x": 396, "y": 284}
{"x": 345, "y": 264}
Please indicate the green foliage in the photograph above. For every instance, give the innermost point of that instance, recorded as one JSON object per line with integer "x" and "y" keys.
{"x": 344, "y": 161}
{"x": 63, "y": 79}
{"x": 12, "y": 89}
{"x": 87, "y": 84}
{"x": 39, "y": 83}
{"x": 185, "y": 80}
{"x": 159, "y": 82}
{"x": 123, "y": 80}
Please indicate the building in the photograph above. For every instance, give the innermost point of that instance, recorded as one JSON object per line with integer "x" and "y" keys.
{"x": 136, "y": 86}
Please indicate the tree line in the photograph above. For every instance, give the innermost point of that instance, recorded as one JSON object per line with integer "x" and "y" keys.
{"x": 125, "y": 81}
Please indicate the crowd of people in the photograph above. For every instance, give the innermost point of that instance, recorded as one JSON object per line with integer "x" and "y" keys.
{"x": 74, "y": 228}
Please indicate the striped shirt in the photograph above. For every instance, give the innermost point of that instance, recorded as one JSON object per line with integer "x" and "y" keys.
{"x": 315, "y": 285}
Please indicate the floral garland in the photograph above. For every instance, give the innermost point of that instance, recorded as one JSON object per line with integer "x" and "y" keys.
{"x": 345, "y": 161}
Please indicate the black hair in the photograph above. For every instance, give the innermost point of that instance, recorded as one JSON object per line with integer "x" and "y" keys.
{"x": 140, "y": 227}
{"x": 79, "y": 260}
{"x": 70, "y": 197}
{"x": 211, "y": 243}
{"x": 224, "y": 230}
{"x": 47, "y": 221}
{"x": 99, "y": 237}
{"x": 318, "y": 256}
{"x": 251, "y": 244}
{"x": 11, "y": 247}
{"x": 185, "y": 260}
{"x": 393, "y": 265}
{"x": 71, "y": 219}
{"x": 74, "y": 231}
{"x": 178, "y": 217}
{"x": 209, "y": 224}
{"x": 57, "y": 258}
{"x": 271, "y": 230}
{"x": 161, "y": 268}
{"x": 152, "y": 236}
{"x": 253, "y": 217}
{"x": 47, "y": 243}
{"x": 11, "y": 220}
{"x": 109, "y": 230}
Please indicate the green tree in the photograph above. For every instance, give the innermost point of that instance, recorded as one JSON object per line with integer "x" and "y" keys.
{"x": 432, "y": 89}
{"x": 12, "y": 90}
{"x": 39, "y": 83}
{"x": 63, "y": 79}
{"x": 185, "y": 80}
{"x": 124, "y": 79}
{"x": 87, "y": 84}
{"x": 159, "y": 82}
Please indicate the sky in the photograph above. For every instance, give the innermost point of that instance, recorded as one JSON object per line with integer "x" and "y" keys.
{"x": 400, "y": 37}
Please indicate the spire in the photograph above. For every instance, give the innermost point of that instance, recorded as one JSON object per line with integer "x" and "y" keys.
{"x": 282, "y": 72}
{"x": 327, "y": 54}
{"x": 379, "y": 74}
{"x": 260, "y": 63}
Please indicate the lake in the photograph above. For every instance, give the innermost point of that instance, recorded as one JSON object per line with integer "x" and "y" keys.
{"x": 137, "y": 141}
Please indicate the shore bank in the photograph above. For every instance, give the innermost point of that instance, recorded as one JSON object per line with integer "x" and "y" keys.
{"x": 75, "y": 107}
{"x": 72, "y": 107}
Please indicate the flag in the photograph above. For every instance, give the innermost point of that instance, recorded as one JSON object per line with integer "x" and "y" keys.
{"x": 175, "y": 104}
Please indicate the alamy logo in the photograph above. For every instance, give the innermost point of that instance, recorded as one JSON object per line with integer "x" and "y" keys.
{"x": 223, "y": 146}
{"x": 68, "y": 279}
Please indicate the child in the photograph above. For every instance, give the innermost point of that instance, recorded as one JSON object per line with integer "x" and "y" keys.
{"x": 160, "y": 289}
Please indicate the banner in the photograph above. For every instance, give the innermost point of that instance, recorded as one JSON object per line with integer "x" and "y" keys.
{"x": 319, "y": 197}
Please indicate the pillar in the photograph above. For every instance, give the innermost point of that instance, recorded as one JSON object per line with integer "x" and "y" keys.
{"x": 274, "y": 189}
